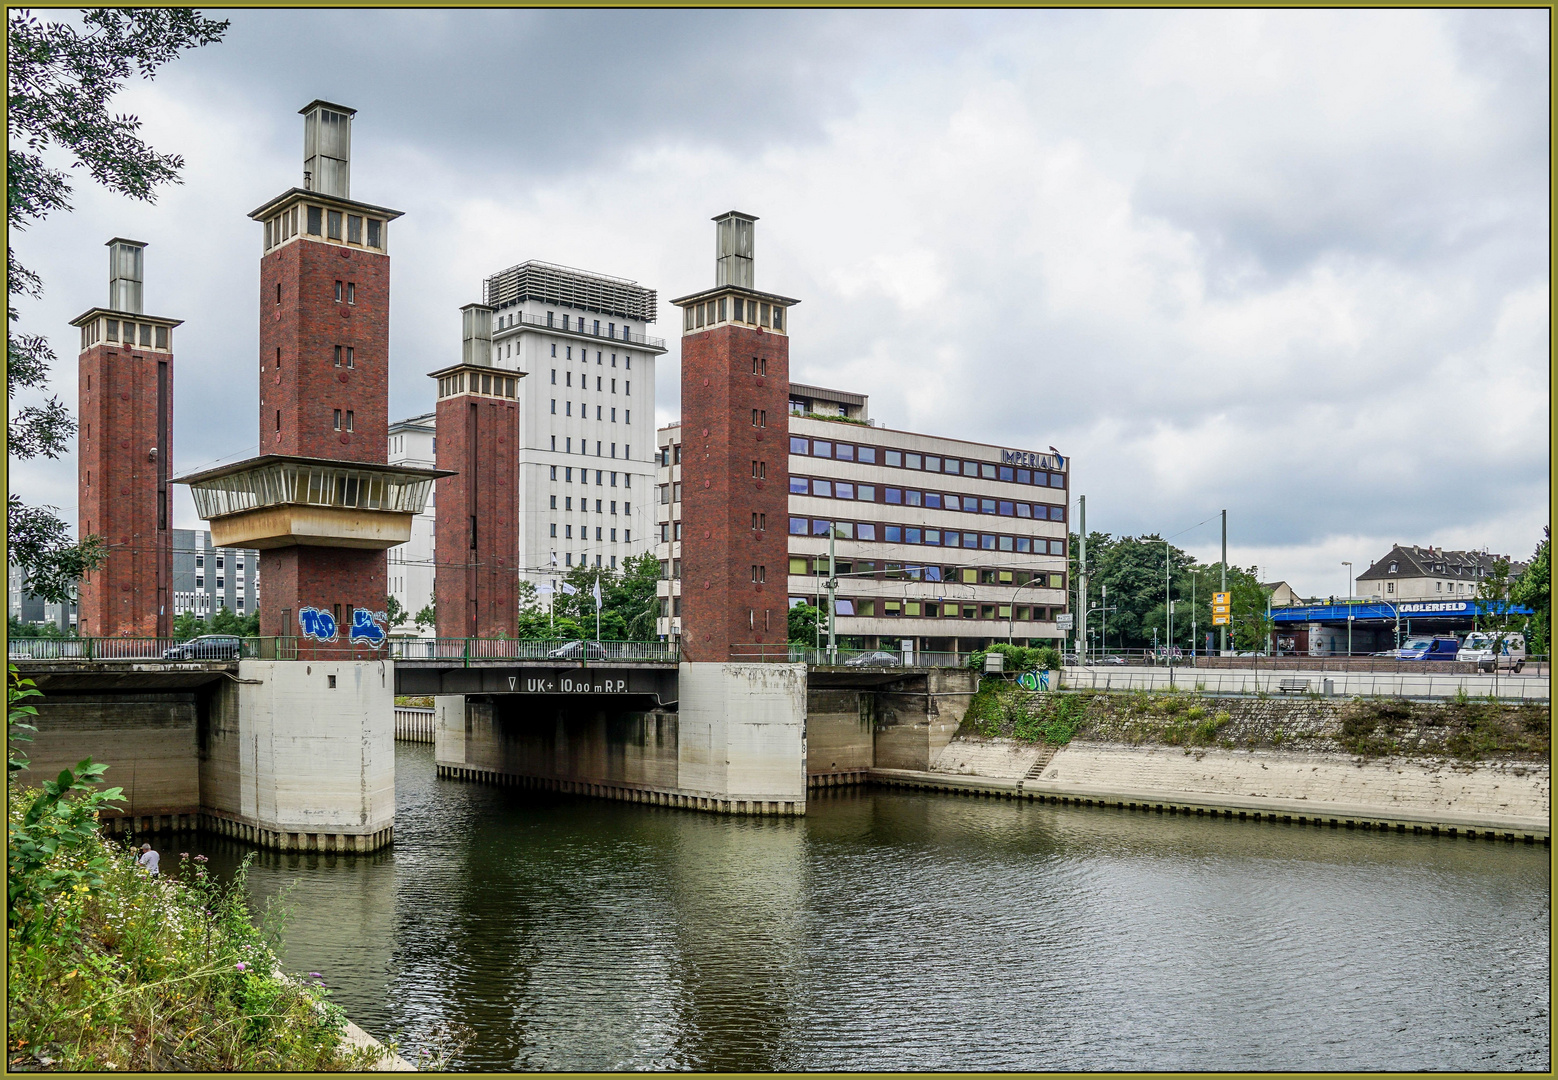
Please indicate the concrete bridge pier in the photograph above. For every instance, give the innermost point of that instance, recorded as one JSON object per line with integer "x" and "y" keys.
{"x": 733, "y": 740}
{"x": 305, "y": 761}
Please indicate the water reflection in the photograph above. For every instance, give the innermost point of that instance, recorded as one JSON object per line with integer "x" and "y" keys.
{"x": 891, "y": 930}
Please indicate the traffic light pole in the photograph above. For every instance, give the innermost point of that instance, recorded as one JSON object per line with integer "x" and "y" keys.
{"x": 1222, "y": 641}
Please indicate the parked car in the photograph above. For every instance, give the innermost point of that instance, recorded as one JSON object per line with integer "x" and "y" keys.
{"x": 874, "y": 659}
{"x": 1071, "y": 660}
{"x": 1479, "y": 649}
{"x": 578, "y": 650}
{"x": 1113, "y": 660}
{"x": 1439, "y": 648}
{"x": 207, "y": 647}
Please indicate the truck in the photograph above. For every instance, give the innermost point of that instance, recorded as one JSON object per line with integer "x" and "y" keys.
{"x": 1487, "y": 650}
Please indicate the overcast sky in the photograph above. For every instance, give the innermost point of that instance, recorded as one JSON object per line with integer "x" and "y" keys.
{"x": 1293, "y": 264}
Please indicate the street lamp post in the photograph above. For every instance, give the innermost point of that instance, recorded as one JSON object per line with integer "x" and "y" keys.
{"x": 1105, "y": 611}
{"x": 1348, "y": 565}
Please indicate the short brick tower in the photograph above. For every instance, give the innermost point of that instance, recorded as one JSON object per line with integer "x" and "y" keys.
{"x": 320, "y": 503}
{"x": 476, "y": 543}
{"x": 735, "y": 456}
{"x": 124, "y": 449}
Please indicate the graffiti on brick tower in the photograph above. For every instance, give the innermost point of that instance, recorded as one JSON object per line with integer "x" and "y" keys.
{"x": 366, "y": 628}
{"x": 317, "y": 624}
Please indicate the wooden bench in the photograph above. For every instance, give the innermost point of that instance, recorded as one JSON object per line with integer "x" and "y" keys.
{"x": 1293, "y": 686}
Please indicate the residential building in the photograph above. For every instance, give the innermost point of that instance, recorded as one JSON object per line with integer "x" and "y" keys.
{"x": 413, "y": 442}
{"x": 941, "y": 544}
{"x": 1281, "y": 594}
{"x": 207, "y": 578}
{"x": 1428, "y": 573}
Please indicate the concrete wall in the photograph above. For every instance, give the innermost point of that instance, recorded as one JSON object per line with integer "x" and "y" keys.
{"x": 743, "y": 734}
{"x": 914, "y": 724}
{"x": 148, "y": 740}
{"x": 839, "y": 738}
{"x": 1496, "y": 789}
{"x": 314, "y": 764}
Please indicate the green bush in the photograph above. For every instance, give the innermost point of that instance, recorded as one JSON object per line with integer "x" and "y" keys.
{"x": 110, "y": 968}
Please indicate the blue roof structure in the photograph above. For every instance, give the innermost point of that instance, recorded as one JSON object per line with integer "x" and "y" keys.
{"x": 1385, "y": 611}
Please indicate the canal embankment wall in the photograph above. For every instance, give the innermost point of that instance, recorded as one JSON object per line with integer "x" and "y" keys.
{"x": 1457, "y": 767}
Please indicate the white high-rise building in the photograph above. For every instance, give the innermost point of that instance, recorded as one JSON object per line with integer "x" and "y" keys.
{"x": 587, "y": 411}
{"x": 411, "y": 443}
{"x": 587, "y": 449}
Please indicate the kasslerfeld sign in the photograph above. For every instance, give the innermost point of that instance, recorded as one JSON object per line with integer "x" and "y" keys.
{"x": 1028, "y": 460}
{"x": 1434, "y": 605}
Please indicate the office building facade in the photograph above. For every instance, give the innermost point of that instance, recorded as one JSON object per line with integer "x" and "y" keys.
{"x": 940, "y": 544}
{"x": 207, "y": 578}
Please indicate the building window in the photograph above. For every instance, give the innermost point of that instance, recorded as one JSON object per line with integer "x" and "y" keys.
{"x": 338, "y": 287}
{"x": 353, "y": 229}
{"x": 334, "y": 219}
{"x": 554, "y": 410}
{"x": 351, "y": 292}
{"x": 375, "y": 233}
{"x": 337, "y": 419}
{"x": 1390, "y": 587}
{"x": 338, "y": 356}
{"x": 313, "y": 220}
{"x": 349, "y": 414}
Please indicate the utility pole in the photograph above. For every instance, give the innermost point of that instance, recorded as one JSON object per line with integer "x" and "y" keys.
{"x": 1348, "y": 565}
{"x": 1080, "y": 628}
{"x": 833, "y": 584}
{"x": 1222, "y": 641}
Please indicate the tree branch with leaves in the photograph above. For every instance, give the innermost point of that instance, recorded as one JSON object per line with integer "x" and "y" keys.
{"x": 60, "y": 81}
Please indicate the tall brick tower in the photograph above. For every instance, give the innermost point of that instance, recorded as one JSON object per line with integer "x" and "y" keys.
{"x": 125, "y": 446}
{"x": 735, "y": 455}
{"x": 476, "y": 543}
{"x": 320, "y": 503}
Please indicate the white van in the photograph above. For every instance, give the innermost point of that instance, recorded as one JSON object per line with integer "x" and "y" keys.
{"x": 1479, "y": 646}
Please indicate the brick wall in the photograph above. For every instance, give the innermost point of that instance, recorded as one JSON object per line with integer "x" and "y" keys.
{"x": 306, "y": 323}
{"x": 326, "y": 578}
{"x": 125, "y": 409}
{"x": 476, "y": 585}
{"x": 721, "y": 604}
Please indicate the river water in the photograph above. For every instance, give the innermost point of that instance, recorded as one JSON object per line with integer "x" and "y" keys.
{"x": 897, "y": 931}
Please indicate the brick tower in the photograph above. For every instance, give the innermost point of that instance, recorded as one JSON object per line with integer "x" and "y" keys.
{"x": 735, "y": 455}
{"x": 320, "y": 503}
{"x": 124, "y": 444}
{"x": 476, "y": 542}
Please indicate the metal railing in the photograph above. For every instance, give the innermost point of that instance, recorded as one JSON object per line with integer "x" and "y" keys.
{"x": 1533, "y": 665}
{"x": 588, "y": 330}
{"x": 1422, "y": 684}
{"x": 415, "y": 725}
{"x": 466, "y": 650}
{"x": 847, "y": 658}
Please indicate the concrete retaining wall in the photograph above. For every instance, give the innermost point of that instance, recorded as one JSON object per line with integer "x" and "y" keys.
{"x": 840, "y": 741}
{"x": 148, "y": 740}
{"x": 913, "y": 725}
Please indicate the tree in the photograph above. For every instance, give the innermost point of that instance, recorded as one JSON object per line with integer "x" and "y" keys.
{"x": 394, "y": 614}
{"x": 61, "y": 79}
{"x": 1533, "y": 589}
{"x": 427, "y": 618}
{"x": 805, "y": 624}
{"x": 1494, "y": 595}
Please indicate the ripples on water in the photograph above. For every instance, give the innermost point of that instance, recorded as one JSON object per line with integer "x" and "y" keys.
{"x": 891, "y": 930}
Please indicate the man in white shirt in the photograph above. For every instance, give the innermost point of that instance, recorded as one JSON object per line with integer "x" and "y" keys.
{"x": 149, "y": 860}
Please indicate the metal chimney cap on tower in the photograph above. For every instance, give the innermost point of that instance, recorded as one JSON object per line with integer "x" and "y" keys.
{"x": 321, "y": 103}
{"x": 734, "y": 214}
{"x": 476, "y": 335}
{"x": 128, "y": 243}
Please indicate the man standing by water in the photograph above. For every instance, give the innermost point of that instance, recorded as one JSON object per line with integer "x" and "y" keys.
{"x": 149, "y": 859}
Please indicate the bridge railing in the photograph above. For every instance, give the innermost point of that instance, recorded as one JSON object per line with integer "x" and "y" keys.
{"x": 477, "y": 649}
{"x": 150, "y": 648}
{"x": 845, "y": 658}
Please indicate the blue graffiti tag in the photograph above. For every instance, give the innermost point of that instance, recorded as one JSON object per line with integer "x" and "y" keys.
{"x": 317, "y": 624}
{"x": 366, "y": 628}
